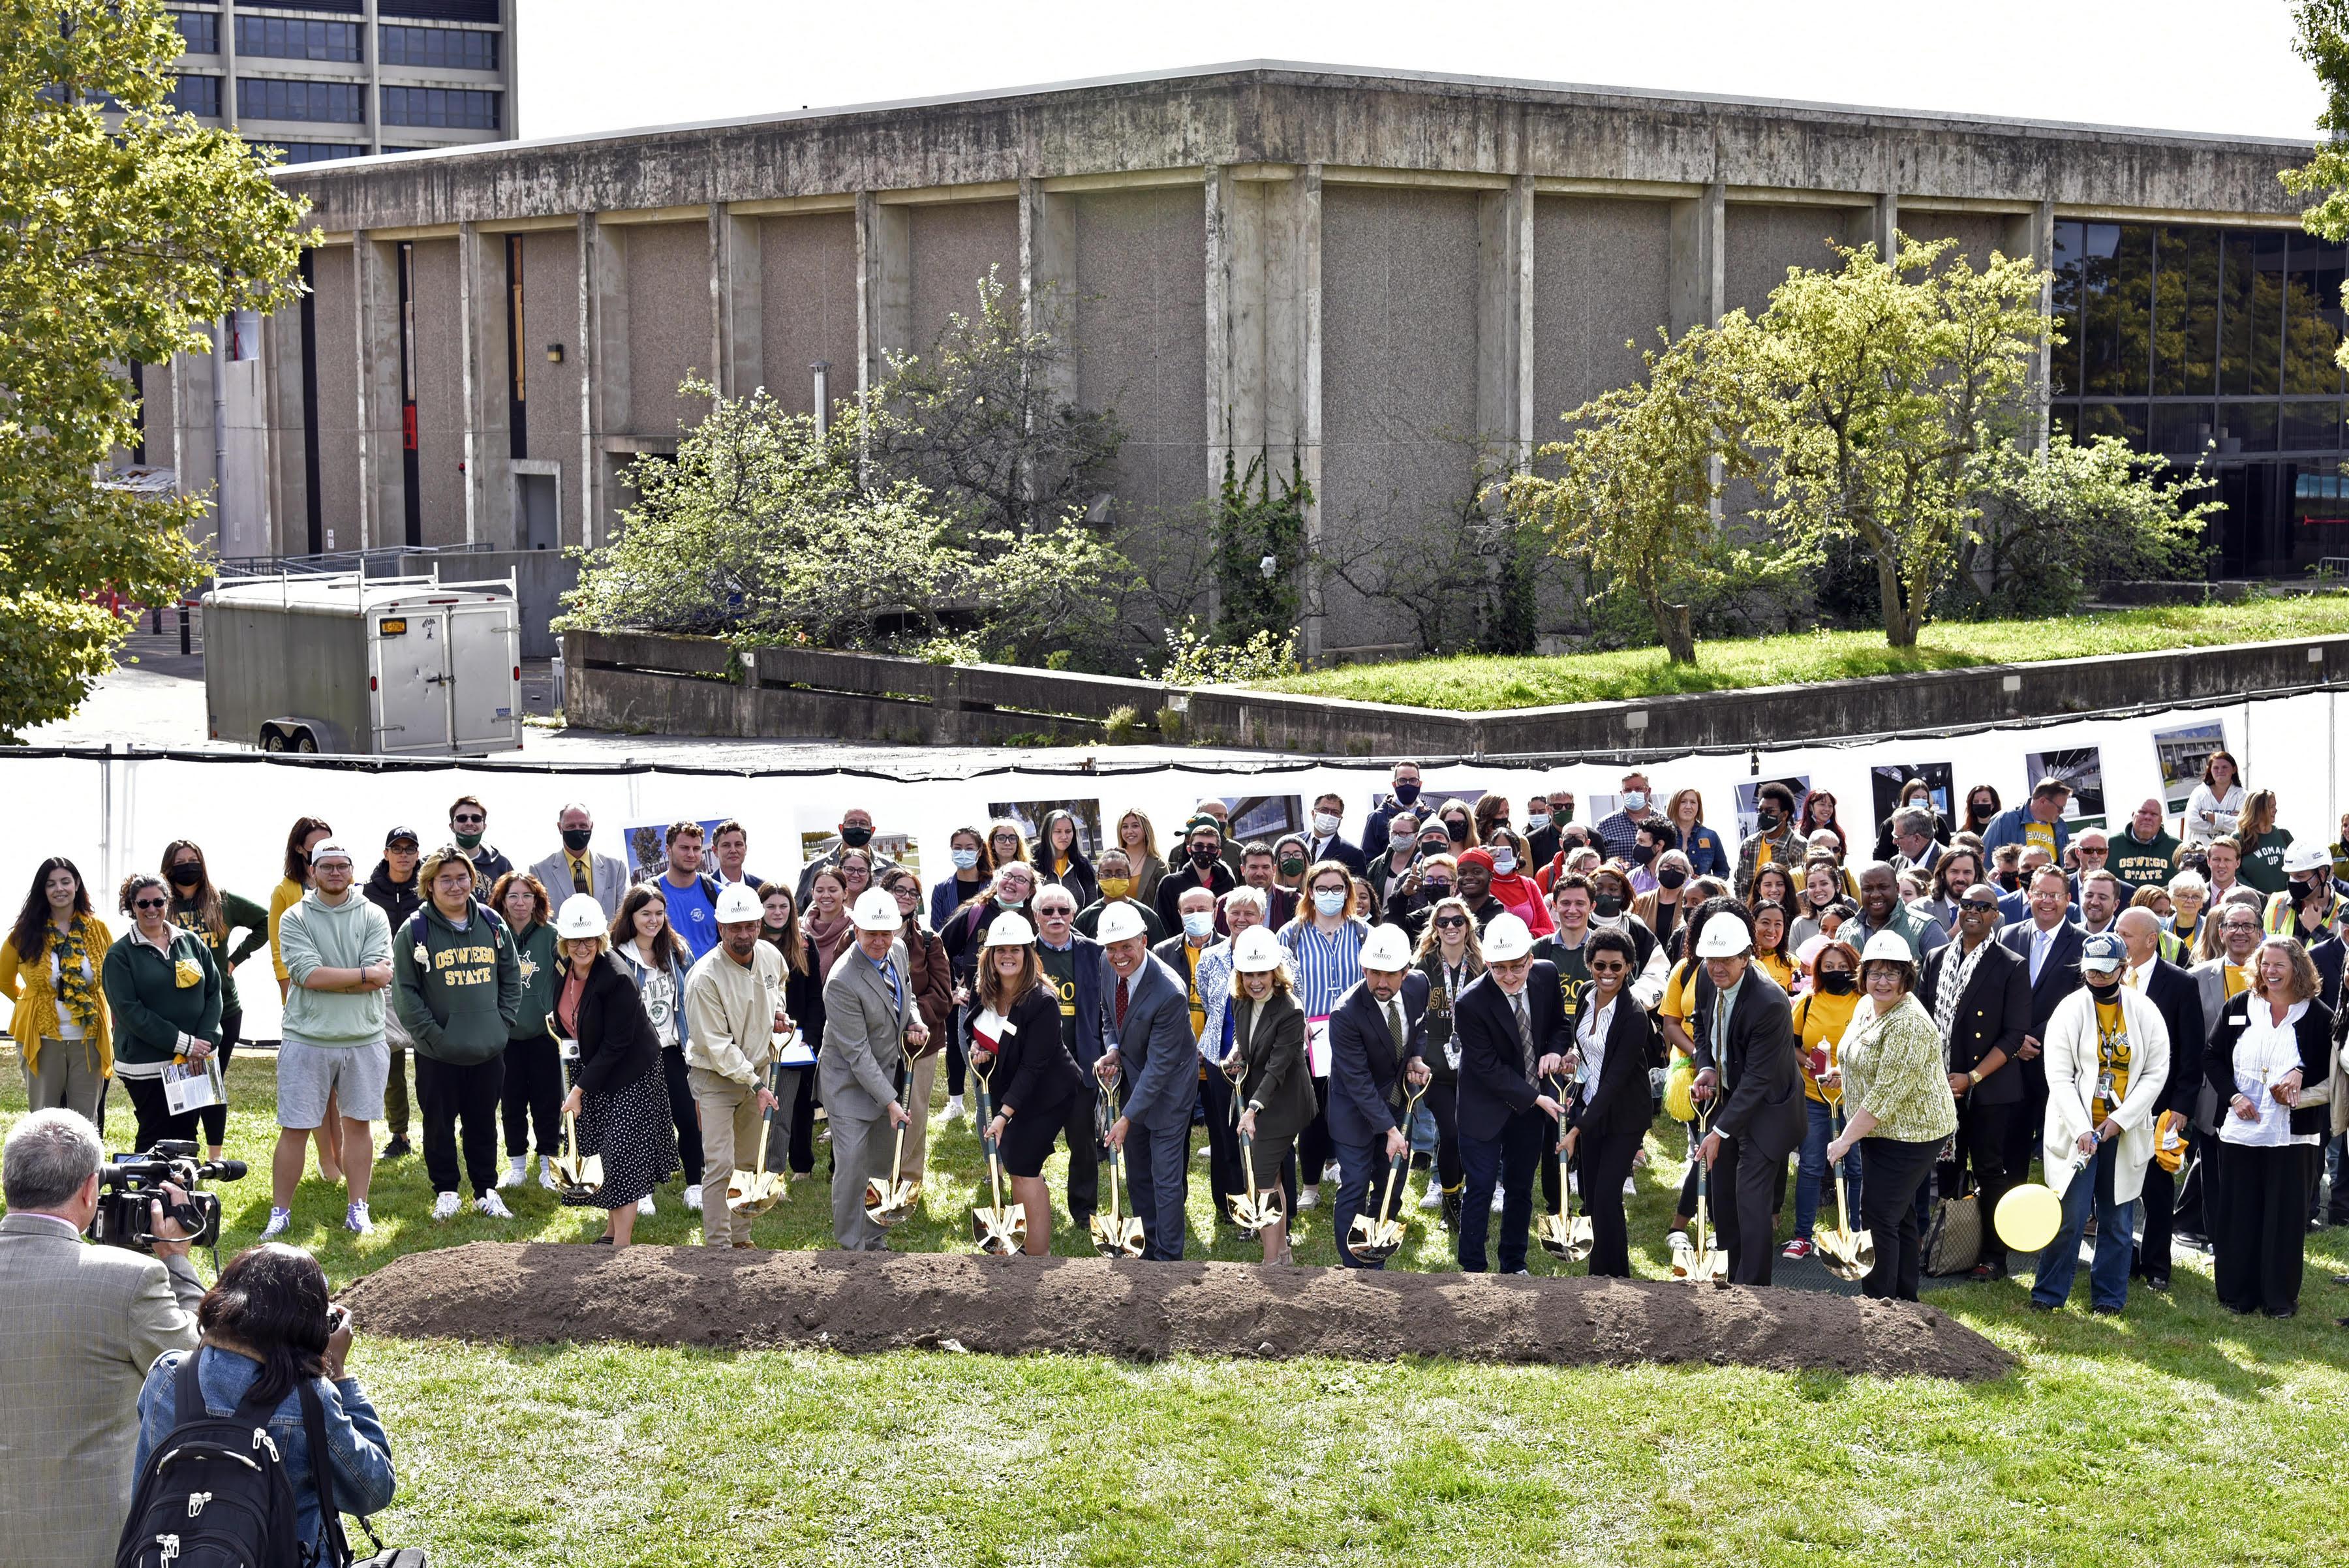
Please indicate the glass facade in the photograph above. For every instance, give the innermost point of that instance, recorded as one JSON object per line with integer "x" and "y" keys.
{"x": 199, "y": 31}
{"x": 319, "y": 152}
{"x": 440, "y": 49}
{"x": 272, "y": 97}
{"x": 2213, "y": 344}
{"x": 292, "y": 38}
{"x": 198, "y": 96}
{"x": 451, "y": 107}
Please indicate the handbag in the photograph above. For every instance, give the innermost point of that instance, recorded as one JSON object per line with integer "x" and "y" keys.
{"x": 1953, "y": 1241}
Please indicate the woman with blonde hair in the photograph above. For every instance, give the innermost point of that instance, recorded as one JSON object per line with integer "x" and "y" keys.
{"x": 2272, "y": 1065}
{"x": 1451, "y": 958}
{"x": 1139, "y": 839}
{"x": 1707, "y": 855}
{"x": 1011, "y": 1028}
{"x": 1269, "y": 1065}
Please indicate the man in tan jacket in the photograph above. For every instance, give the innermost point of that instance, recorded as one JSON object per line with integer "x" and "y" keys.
{"x": 80, "y": 1326}
{"x": 733, "y": 1005}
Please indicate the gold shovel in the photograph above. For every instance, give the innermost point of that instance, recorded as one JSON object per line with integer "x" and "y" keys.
{"x": 759, "y": 1189}
{"x": 1704, "y": 1262}
{"x": 1381, "y": 1238}
{"x": 581, "y": 1176}
{"x": 1565, "y": 1234}
{"x": 998, "y": 1228}
{"x": 1255, "y": 1209}
{"x": 1115, "y": 1235}
{"x": 889, "y": 1199}
{"x": 1849, "y": 1254}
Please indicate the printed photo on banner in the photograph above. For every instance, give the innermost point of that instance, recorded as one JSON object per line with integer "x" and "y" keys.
{"x": 2083, "y": 768}
{"x": 1887, "y": 779}
{"x": 2182, "y": 754}
{"x": 1747, "y": 789}
{"x": 1031, "y": 815}
{"x": 647, "y": 844}
{"x": 818, "y": 836}
{"x": 1267, "y": 817}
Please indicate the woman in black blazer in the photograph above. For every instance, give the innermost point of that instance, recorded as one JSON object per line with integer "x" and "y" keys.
{"x": 1010, "y": 1028}
{"x": 1275, "y": 1098}
{"x": 618, "y": 1096}
{"x": 1611, "y": 1106}
{"x": 2270, "y": 1062}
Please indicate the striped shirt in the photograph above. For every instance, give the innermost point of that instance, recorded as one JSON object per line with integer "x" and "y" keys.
{"x": 1214, "y": 979}
{"x": 1325, "y": 965}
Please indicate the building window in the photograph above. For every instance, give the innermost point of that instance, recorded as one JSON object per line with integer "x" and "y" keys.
{"x": 452, "y": 108}
{"x": 319, "y": 152}
{"x": 291, "y": 39}
{"x": 442, "y": 10}
{"x": 268, "y": 97}
{"x": 439, "y": 48}
{"x": 348, "y": 8}
{"x": 199, "y": 96}
{"x": 199, "y": 31}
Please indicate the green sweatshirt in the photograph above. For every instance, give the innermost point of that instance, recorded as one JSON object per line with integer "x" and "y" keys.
{"x": 535, "y": 957}
{"x": 152, "y": 1008}
{"x": 237, "y": 914}
{"x": 459, "y": 990}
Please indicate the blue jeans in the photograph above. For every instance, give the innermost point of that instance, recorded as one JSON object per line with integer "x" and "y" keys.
{"x": 1362, "y": 1186}
{"x": 1811, "y": 1170}
{"x": 2115, "y": 1241}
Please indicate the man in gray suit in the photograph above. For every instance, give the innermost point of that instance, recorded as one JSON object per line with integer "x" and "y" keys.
{"x": 80, "y": 1326}
{"x": 869, "y": 1020}
{"x": 576, "y": 868}
{"x": 1146, "y": 1023}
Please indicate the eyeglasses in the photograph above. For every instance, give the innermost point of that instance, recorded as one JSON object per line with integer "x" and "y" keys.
{"x": 1450, "y": 922}
{"x": 1605, "y": 966}
{"x": 2085, "y": 852}
{"x": 1055, "y": 914}
{"x": 468, "y": 816}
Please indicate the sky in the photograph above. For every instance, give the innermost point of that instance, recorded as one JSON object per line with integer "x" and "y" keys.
{"x": 2220, "y": 65}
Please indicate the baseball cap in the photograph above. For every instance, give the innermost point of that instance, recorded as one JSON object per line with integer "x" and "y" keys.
{"x": 397, "y": 833}
{"x": 330, "y": 850}
{"x": 2103, "y": 952}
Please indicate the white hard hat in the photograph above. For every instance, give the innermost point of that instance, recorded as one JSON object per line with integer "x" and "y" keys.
{"x": 1884, "y": 947}
{"x": 581, "y": 916}
{"x": 1010, "y": 929}
{"x": 1506, "y": 937}
{"x": 1724, "y": 937}
{"x": 2306, "y": 856}
{"x": 1120, "y": 922}
{"x": 1387, "y": 949}
{"x": 1257, "y": 952}
{"x": 874, "y": 912}
{"x": 737, "y": 903}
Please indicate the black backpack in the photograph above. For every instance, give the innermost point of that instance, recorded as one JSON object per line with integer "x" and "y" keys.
{"x": 214, "y": 1493}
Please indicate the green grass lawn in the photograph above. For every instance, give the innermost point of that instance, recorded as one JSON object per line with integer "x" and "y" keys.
{"x": 2177, "y": 1435}
{"x": 1480, "y": 682}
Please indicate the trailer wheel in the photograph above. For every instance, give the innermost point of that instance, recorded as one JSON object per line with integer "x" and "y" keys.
{"x": 305, "y": 743}
{"x": 272, "y": 740}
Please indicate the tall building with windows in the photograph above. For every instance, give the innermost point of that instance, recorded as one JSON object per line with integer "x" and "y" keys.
{"x": 342, "y": 78}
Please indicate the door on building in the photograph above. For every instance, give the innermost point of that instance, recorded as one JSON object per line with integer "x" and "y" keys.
{"x": 541, "y": 529}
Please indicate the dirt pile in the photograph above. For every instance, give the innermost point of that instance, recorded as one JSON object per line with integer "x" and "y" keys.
{"x": 1140, "y": 1312}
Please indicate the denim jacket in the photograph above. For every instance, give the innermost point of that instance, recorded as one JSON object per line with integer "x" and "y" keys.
{"x": 362, "y": 1454}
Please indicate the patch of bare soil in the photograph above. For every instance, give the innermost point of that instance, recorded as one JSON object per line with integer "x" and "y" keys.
{"x": 1141, "y": 1312}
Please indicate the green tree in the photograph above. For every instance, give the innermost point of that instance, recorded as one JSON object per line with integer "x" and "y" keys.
{"x": 2322, "y": 40}
{"x": 1635, "y": 490}
{"x": 115, "y": 246}
{"x": 1259, "y": 551}
{"x": 2055, "y": 522}
{"x": 1878, "y": 384}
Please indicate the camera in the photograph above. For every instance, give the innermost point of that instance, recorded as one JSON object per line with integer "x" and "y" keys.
{"x": 132, "y": 1181}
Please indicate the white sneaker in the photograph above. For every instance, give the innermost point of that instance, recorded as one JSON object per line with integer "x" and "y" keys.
{"x": 1497, "y": 1201}
{"x": 693, "y": 1196}
{"x": 1309, "y": 1197}
{"x": 954, "y": 1108}
{"x": 445, "y": 1207}
{"x": 1330, "y": 1171}
{"x": 1433, "y": 1203}
{"x": 546, "y": 1177}
{"x": 645, "y": 1205}
{"x": 513, "y": 1176}
{"x": 278, "y": 1219}
{"x": 354, "y": 1219}
{"x": 490, "y": 1206}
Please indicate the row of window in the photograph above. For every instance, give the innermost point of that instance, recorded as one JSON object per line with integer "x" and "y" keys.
{"x": 299, "y": 38}
{"x": 427, "y": 10}
{"x": 2220, "y": 429}
{"x": 338, "y": 103}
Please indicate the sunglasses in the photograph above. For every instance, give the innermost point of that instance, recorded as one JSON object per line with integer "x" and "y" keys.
{"x": 1615, "y": 966}
{"x": 1055, "y": 914}
{"x": 1450, "y": 922}
{"x": 470, "y": 816}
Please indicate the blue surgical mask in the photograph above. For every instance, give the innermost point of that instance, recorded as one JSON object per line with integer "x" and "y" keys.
{"x": 965, "y": 859}
{"x": 1006, "y": 901}
{"x": 1504, "y": 862}
{"x": 1535, "y": 821}
{"x": 1330, "y": 901}
{"x": 1197, "y": 923}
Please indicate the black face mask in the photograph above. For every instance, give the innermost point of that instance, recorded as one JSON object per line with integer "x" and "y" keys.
{"x": 1203, "y": 855}
{"x": 2108, "y": 990}
{"x": 2301, "y": 891}
{"x": 2009, "y": 881}
{"x": 1642, "y": 853}
{"x": 1766, "y": 821}
{"x": 1607, "y": 906}
{"x": 1980, "y": 812}
{"x": 1839, "y": 982}
{"x": 1406, "y": 793}
{"x": 576, "y": 839}
{"x": 1458, "y": 830}
{"x": 192, "y": 877}
{"x": 856, "y": 837}
{"x": 1671, "y": 876}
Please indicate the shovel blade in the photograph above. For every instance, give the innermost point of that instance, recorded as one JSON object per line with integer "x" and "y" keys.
{"x": 889, "y": 1202}
{"x": 1580, "y": 1241}
{"x": 1000, "y": 1230}
{"x": 1120, "y": 1238}
{"x": 1253, "y": 1211}
{"x": 1555, "y": 1235}
{"x": 584, "y": 1175}
{"x": 1375, "y": 1241}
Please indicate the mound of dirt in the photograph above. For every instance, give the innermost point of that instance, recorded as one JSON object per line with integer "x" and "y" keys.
{"x": 1140, "y": 1312}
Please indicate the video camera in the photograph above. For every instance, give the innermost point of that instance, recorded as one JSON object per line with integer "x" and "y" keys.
{"x": 132, "y": 1181}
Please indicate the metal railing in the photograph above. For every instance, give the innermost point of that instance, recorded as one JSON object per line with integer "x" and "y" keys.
{"x": 383, "y": 560}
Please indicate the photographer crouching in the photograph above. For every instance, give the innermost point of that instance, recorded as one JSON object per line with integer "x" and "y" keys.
{"x": 80, "y": 1327}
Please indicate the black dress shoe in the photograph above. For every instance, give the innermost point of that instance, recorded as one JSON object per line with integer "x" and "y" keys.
{"x": 2157, "y": 1281}
{"x": 397, "y": 1147}
{"x": 2282, "y": 1312}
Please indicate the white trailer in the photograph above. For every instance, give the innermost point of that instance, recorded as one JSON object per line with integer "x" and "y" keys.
{"x": 373, "y": 666}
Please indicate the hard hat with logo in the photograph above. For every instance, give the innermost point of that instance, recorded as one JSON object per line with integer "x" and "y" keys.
{"x": 1505, "y": 939}
{"x": 1010, "y": 929}
{"x": 1258, "y": 951}
{"x": 1724, "y": 937}
{"x": 874, "y": 912}
{"x": 1884, "y": 947}
{"x": 1119, "y": 923}
{"x": 1386, "y": 948}
{"x": 581, "y": 916}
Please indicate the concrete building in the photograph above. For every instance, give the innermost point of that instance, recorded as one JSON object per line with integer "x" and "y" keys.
{"x": 1385, "y": 276}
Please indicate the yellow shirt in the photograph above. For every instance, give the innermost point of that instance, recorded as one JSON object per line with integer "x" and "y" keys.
{"x": 1777, "y": 969}
{"x": 582, "y": 874}
{"x": 2238, "y": 981}
{"x": 1820, "y": 1019}
{"x": 1679, "y": 1003}
{"x": 2042, "y": 833}
{"x": 2112, "y": 1055}
{"x": 289, "y": 893}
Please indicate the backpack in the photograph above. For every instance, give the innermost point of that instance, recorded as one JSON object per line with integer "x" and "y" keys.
{"x": 214, "y": 1491}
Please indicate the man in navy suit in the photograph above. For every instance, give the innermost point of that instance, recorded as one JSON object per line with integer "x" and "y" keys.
{"x": 1321, "y": 839}
{"x": 1748, "y": 1071}
{"x": 1378, "y": 1035}
{"x": 2049, "y": 943}
{"x": 1511, "y": 1025}
{"x": 1146, "y": 1027}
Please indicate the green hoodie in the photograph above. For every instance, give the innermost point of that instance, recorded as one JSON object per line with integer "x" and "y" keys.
{"x": 459, "y": 991}
{"x": 537, "y": 956}
{"x": 352, "y": 934}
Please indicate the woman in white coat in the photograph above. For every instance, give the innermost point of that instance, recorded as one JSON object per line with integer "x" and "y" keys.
{"x": 2108, "y": 1056}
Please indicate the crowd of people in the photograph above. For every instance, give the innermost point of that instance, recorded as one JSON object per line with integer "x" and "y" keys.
{"x": 1889, "y": 1018}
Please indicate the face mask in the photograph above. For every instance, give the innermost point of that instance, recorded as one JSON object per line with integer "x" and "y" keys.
{"x": 1766, "y": 821}
{"x": 2106, "y": 984}
{"x": 1977, "y": 812}
{"x": 1203, "y": 855}
{"x": 2301, "y": 891}
{"x": 1116, "y": 886}
{"x": 468, "y": 841}
{"x": 1504, "y": 862}
{"x": 1635, "y": 800}
{"x": 964, "y": 859}
{"x": 1007, "y": 901}
{"x": 1671, "y": 876}
{"x": 1198, "y": 923}
{"x": 1328, "y": 902}
{"x": 1839, "y": 982}
{"x": 856, "y": 837}
{"x": 185, "y": 876}
{"x": 2009, "y": 881}
{"x": 1406, "y": 793}
{"x": 1642, "y": 853}
{"x": 1325, "y": 824}
{"x": 576, "y": 839}
{"x": 1535, "y": 821}
{"x": 1607, "y": 906}
{"x": 1292, "y": 866}
{"x": 1458, "y": 830}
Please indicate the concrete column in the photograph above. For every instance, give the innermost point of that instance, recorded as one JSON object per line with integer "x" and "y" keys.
{"x": 603, "y": 380}
{"x": 1884, "y": 227}
{"x": 1048, "y": 273}
{"x": 2033, "y": 234}
{"x": 288, "y": 476}
{"x": 1292, "y": 337}
{"x": 1504, "y": 259}
{"x": 737, "y": 296}
{"x": 1700, "y": 286}
{"x": 383, "y": 497}
{"x": 484, "y": 354}
{"x": 884, "y": 287}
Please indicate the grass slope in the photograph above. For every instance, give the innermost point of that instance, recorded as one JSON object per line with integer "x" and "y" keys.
{"x": 2178, "y": 1435}
{"x": 1477, "y": 682}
